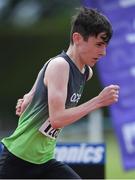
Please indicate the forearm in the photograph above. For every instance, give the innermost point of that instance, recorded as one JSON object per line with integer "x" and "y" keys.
{"x": 71, "y": 115}
{"x": 64, "y": 117}
{"x": 29, "y": 95}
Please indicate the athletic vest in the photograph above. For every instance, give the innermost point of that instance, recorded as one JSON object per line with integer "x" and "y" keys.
{"x": 27, "y": 142}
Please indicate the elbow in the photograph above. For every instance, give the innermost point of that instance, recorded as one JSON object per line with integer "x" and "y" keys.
{"x": 55, "y": 123}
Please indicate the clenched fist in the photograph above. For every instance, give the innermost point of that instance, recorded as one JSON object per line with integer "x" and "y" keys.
{"x": 109, "y": 95}
{"x": 23, "y": 103}
{"x": 19, "y": 107}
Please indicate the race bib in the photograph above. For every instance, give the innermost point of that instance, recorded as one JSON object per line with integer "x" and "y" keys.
{"x": 48, "y": 131}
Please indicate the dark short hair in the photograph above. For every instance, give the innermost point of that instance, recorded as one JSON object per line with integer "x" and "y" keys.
{"x": 90, "y": 22}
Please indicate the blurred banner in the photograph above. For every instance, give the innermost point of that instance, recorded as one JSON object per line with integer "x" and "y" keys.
{"x": 118, "y": 67}
{"x": 88, "y": 160}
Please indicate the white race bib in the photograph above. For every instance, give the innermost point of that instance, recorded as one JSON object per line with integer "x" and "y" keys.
{"x": 48, "y": 131}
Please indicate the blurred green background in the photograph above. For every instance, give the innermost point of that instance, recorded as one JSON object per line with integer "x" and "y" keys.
{"x": 26, "y": 43}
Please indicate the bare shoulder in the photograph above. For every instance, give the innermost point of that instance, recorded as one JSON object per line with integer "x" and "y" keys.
{"x": 58, "y": 63}
{"x": 57, "y": 70}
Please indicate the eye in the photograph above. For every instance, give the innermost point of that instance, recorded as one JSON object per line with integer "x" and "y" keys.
{"x": 98, "y": 44}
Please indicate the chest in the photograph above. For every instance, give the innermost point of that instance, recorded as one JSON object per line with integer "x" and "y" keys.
{"x": 75, "y": 89}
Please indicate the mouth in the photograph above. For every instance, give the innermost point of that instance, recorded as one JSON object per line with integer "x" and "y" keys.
{"x": 96, "y": 59}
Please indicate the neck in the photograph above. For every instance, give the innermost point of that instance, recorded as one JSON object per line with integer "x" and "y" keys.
{"x": 72, "y": 53}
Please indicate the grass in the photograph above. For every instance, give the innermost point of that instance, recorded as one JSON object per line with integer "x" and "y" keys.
{"x": 114, "y": 169}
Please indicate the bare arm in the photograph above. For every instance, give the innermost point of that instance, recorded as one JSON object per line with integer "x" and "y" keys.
{"x": 56, "y": 79}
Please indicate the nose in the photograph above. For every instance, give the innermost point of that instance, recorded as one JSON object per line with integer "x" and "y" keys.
{"x": 103, "y": 52}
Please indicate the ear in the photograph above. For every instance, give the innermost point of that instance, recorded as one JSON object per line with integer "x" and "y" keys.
{"x": 77, "y": 38}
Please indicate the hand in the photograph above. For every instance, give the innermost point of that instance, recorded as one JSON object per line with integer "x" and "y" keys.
{"x": 19, "y": 107}
{"x": 109, "y": 95}
{"x": 22, "y": 104}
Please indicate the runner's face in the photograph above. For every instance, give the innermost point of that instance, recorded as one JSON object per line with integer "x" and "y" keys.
{"x": 92, "y": 50}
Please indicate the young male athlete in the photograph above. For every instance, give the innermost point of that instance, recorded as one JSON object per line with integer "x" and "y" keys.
{"x": 51, "y": 103}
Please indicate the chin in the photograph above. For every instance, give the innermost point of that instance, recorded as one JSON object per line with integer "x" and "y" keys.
{"x": 92, "y": 64}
